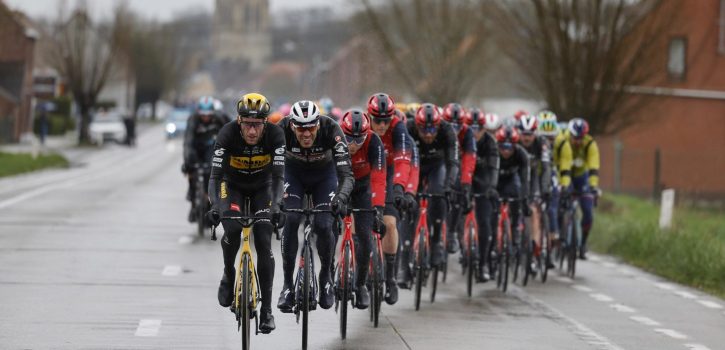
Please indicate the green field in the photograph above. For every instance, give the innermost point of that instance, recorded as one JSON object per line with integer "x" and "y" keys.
{"x": 18, "y": 163}
{"x": 692, "y": 252}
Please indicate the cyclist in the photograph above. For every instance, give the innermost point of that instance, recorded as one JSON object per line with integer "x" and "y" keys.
{"x": 561, "y": 163}
{"x": 318, "y": 163}
{"x": 201, "y": 132}
{"x": 513, "y": 175}
{"x": 539, "y": 153}
{"x": 485, "y": 179}
{"x": 585, "y": 174}
{"x": 411, "y": 109}
{"x": 398, "y": 147}
{"x": 248, "y": 163}
{"x": 454, "y": 114}
{"x": 368, "y": 166}
{"x": 438, "y": 147}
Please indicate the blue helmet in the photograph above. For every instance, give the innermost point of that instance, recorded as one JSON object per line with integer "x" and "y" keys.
{"x": 578, "y": 128}
{"x": 205, "y": 105}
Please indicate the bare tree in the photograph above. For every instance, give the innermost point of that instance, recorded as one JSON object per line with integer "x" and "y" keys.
{"x": 436, "y": 46}
{"x": 85, "y": 53}
{"x": 583, "y": 56}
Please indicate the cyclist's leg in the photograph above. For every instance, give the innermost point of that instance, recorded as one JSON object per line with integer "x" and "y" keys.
{"x": 391, "y": 218}
{"x": 510, "y": 187}
{"x": 294, "y": 192}
{"x": 360, "y": 199}
{"x": 437, "y": 208}
{"x": 322, "y": 191}
{"x": 484, "y": 211}
{"x": 454, "y": 219}
{"x": 586, "y": 202}
{"x": 230, "y": 244}
{"x": 553, "y": 210}
{"x": 260, "y": 205}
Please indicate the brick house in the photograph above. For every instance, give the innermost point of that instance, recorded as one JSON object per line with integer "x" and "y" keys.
{"x": 686, "y": 117}
{"x": 17, "y": 43}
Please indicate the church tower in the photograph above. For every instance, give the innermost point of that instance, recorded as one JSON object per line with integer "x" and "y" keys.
{"x": 241, "y": 32}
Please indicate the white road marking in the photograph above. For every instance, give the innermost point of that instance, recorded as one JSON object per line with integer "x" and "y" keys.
{"x": 609, "y": 264}
{"x": 696, "y": 347}
{"x": 644, "y": 320}
{"x": 171, "y": 270}
{"x": 594, "y": 258}
{"x": 581, "y": 288}
{"x": 601, "y": 297}
{"x": 185, "y": 240}
{"x": 148, "y": 328}
{"x": 710, "y": 304}
{"x": 563, "y": 279}
{"x": 671, "y": 333}
{"x": 685, "y": 294}
{"x": 622, "y": 308}
{"x": 664, "y": 286}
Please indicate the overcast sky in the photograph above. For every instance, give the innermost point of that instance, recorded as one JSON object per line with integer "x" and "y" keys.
{"x": 159, "y": 9}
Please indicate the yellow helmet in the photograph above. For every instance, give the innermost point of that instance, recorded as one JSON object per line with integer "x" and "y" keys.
{"x": 401, "y": 106}
{"x": 253, "y": 105}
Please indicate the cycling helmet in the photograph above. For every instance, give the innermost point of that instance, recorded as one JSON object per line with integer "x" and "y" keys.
{"x": 205, "y": 106}
{"x": 547, "y": 124}
{"x": 355, "y": 123}
{"x": 475, "y": 117}
{"x": 253, "y": 105}
{"x": 401, "y": 107}
{"x": 381, "y": 105}
{"x": 527, "y": 124}
{"x": 326, "y": 104}
{"x": 275, "y": 117}
{"x": 520, "y": 113}
{"x": 428, "y": 116}
{"x": 285, "y": 109}
{"x": 336, "y": 113}
{"x": 403, "y": 118}
{"x": 507, "y": 134}
{"x": 411, "y": 109}
{"x": 578, "y": 128}
{"x": 454, "y": 113}
{"x": 492, "y": 121}
{"x": 218, "y": 106}
{"x": 305, "y": 113}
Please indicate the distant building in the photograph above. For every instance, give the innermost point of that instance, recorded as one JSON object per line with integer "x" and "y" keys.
{"x": 685, "y": 114}
{"x": 17, "y": 47}
{"x": 241, "y": 32}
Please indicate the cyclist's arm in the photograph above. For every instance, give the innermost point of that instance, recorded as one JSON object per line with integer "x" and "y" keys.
{"x": 278, "y": 161}
{"x": 376, "y": 157}
{"x": 490, "y": 163}
{"x": 451, "y": 154}
{"x": 402, "y": 151}
{"x": 189, "y": 151}
{"x": 219, "y": 162}
{"x": 566, "y": 157}
{"x": 545, "y": 177}
{"x": 414, "y": 177}
{"x": 341, "y": 157}
{"x": 468, "y": 160}
{"x": 524, "y": 171}
{"x": 593, "y": 164}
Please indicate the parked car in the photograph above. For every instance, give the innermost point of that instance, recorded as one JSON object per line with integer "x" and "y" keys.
{"x": 107, "y": 126}
{"x": 176, "y": 122}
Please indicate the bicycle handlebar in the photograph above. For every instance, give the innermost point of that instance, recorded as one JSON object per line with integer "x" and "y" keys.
{"x": 245, "y": 221}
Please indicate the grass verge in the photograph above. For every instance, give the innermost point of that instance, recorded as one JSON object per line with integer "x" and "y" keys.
{"x": 691, "y": 253}
{"x": 18, "y": 163}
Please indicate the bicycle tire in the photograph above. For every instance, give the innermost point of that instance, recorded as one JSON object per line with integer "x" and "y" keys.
{"x": 306, "y": 286}
{"x": 419, "y": 273}
{"x": 435, "y": 271}
{"x": 470, "y": 259}
{"x": 245, "y": 302}
{"x": 372, "y": 273}
{"x": 377, "y": 290}
{"x": 345, "y": 282}
{"x": 527, "y": 247}
{"x": 576, "y": 228}
{"x": 506, "y": 254}
{"x": 200, "y": 215}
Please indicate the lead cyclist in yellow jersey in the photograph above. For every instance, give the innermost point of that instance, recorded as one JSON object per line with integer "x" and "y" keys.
{"x": 585, "y": 174}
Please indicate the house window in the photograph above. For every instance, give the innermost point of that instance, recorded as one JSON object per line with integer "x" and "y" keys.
{"x": 677, "y": 58}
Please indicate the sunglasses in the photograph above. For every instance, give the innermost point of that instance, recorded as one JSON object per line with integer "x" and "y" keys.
{"x": 359, "y": 140}
{"x": 428, "y": 130}
{"x": 505, "y": 146}
{"x": 381, "y": 120}
{"x": 303, "y": 128}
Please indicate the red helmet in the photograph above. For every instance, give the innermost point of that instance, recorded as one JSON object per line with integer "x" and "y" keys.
{"x": 507, "y": 134}
{"x": 355, "y": 123}
{"x": 427, "y": 116}
{"x": 475, "y": 116}
{"x": 520, "y": 113}
{"x": 381, "y": 105}
{"x": 454, "y": 113}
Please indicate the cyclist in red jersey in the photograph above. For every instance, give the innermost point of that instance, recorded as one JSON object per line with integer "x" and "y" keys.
{"x": 454, "y": 114}
{"x": 381, "y": 109}
{"x": 368, "y": 166}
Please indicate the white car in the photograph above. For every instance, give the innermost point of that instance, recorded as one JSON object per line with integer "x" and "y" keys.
{"x": 107, "y": 126}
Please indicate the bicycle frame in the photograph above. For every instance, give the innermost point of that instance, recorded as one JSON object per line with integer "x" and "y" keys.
{"x": 247, "y": 250}
{"x": 347, "y": 239}
{"x": 422, "y": 223}
{"x": 502, "y": 217}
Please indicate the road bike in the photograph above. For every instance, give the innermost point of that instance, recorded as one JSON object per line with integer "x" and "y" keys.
{"x": 376, "y": 278}
{"x": 571, "y": 228}
{"x": 503, "y": 251}
{"x": 422, "y": 248}
{"x": 542, "y": 251}
{"x": 246, "y": 288}
{"x": 346, "y": 270}
{"x": 470, "y": 256}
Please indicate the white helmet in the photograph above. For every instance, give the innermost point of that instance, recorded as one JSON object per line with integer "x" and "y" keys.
{"x": 491, "y": 121}
{"x": 218, "y": 106}
{"x": 305, "y": 113}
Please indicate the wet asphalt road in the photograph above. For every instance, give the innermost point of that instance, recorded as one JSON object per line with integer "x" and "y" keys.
{"x": 101, "y": 257}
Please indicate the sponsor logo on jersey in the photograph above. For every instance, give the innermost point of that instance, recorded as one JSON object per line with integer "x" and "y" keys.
{"x": 278, "y": 157}
{"x": 338, "y": 138}
{"x": 223, "y": 190}
{"x": 279, "y": 151}
{"x": 216, "y": 159}
{"x": 219, "y": 152}
{"x": 235, "y": 207}
{"x": 250, "y": 163}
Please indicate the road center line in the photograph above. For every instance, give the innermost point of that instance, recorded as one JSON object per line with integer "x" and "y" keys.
{"x": 696, "y": 347}
{"x": 171, "y": 270}
{"x": 148, "y": 328}
{"x": 622, "y": 308}
{"x": 710, "y": 304}
{"x": 644, "y": 320}
{"x": 685, "y": 294}
{"x": 671, "y": 333}
{"x": 185, "y": 240}
{"x": 581, "y": 288}
{"x": 601, "y": 297}
{"x": 665, "y": 286}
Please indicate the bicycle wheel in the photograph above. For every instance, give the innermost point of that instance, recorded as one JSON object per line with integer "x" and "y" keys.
{"x": 419, "y": 262}
{"x": 245, "y": 302}
{"x": 306, "y": 288}
{"x": 435, "y": 284}
{"x": 470, "y": 258}
{"x": 575, "y": 232}
{"x": 377, "y": 290}
{"x": 345, "y": 289}
{"x": 507, "y": 252}
{"x": 371, "y": 280}
{"x": 527, "y": 248}
{"x": 544, "y": 256}
{"x": 200, "y": 213}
